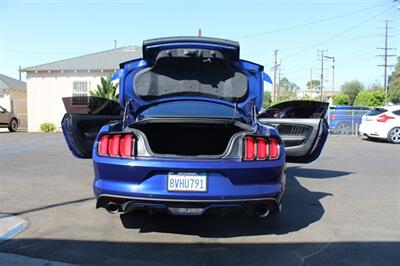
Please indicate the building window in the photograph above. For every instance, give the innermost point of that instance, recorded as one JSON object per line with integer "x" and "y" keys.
{"x": 80, "y": 91}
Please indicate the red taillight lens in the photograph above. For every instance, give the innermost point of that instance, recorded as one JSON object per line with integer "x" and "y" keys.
{"x": 262, "y": 149}
{"x": 250, "y": 148}
{"x": 273, "y": 149}
{"x": 103, "y": 145}
{"x": 116, "y": 145}
{"x": 332, "y": 117}
{"x": 125, "y": 146}
{"x": 383, "y": 118}
{"x": 113, "y": 145}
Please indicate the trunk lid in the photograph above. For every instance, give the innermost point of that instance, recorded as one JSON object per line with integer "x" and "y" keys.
{"x": 192, "y": 68}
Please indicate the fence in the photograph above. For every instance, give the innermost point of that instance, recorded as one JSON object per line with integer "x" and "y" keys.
{"x": 345, "y": 122}
{"x": 19, "y": 107}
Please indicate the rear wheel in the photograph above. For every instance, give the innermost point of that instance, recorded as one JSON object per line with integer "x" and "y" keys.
{"x": 394, "y": 135}
{"x": 343, "y": 129}
{"x": 13, "y": 126}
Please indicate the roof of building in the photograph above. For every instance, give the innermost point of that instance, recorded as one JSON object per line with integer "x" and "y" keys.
{"x": 7, "y": 83}
{"x": 105, "y": 60}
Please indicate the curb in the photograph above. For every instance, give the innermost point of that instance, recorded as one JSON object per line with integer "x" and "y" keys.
{"x": 11, "y": 225}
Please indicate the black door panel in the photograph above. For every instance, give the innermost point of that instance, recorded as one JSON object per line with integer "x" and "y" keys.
{"x": 302, "y": 127}
{"x": 84, "y": 119}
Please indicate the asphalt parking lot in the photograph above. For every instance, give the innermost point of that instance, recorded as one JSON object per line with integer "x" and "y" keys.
{"x": 343, "y": 209}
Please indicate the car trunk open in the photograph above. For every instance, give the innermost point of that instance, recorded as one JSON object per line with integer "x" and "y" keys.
{"x": 205, "y": 138}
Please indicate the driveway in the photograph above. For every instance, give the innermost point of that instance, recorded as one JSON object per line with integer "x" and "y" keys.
{"x": 343, "y": 209}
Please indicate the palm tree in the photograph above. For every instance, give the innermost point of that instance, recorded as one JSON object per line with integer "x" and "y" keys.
{"x": 106, "y": 89}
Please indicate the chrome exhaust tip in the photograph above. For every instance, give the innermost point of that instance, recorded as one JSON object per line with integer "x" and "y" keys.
{"x": 112, "y": 207}
{"x": 262, "y": 211}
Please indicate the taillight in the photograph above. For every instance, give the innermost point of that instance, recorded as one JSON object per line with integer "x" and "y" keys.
{"x": 125, "y": 146}
{"x": 260, "y": 148}
{"x": 103, "y": 145}
{"x": 274, "y": 149}
{"x": 332, "y": 117}
{"x": 250, "y": 148}
{"x": 383, "y": 118}
{"x": 116, "y": 145}
{"x": 113, "y": 145}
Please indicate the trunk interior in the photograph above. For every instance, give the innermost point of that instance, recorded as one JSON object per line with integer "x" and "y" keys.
{"x": 189, "y": 139}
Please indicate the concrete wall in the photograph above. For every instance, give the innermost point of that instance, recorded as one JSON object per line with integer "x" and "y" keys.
{"x": 46, "y": 90}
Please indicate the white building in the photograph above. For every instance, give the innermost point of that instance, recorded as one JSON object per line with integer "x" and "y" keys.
{"x": 47, "y": 84}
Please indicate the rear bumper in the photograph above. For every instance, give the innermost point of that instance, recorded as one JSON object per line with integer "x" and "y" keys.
{"x": 144, "y": 182}
{"x": 187, "y": 207}
{"x": 372, "y": 130}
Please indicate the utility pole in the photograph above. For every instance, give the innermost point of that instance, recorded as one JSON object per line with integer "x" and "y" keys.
{"x": 322, "y": 72}
{"x": 199, "y": 32}
{"x": 333, "y": 70}
{"x": 115, "y": 44}
{"x": 385, "y": 57}
{"x": 333, "y": 73}
{"x": 275, "y": 68}
{"x": 279, "y": 78}
{"x": 310, "y": 88}
{"x": 19, "y": 72}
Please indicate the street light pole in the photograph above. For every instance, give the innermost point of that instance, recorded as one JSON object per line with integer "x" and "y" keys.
{"x": 333, "y": 70}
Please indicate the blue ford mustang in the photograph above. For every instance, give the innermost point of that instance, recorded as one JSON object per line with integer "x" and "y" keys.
{"x": 188, "y": 135}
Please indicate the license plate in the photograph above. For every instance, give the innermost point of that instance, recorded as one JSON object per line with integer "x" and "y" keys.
{"x": 187, "y": 182}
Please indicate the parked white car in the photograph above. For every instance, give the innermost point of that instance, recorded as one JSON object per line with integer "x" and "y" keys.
{"x": 382, "y": 123}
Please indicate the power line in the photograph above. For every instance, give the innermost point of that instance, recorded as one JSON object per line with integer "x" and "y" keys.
{"x": 309, "y": 23}
{"x": 38, "y": 52}
{"x": 338, "y": 34}
{"x": 306, "y": 46}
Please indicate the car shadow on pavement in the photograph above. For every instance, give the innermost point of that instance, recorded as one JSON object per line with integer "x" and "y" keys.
{"x": 86, "y": 252}
{"x": 301, "y": 207}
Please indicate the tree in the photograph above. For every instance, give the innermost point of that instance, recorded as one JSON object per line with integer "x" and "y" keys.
{"x": 394, "y": 84}
{"x": 286, "y": 85}
{"x": 351, "y": 89}
{"x": 267, "y": 99}
{"x": 106, "y": 89}
{"x": 341, "y": 99}
{"x": 370, "y": 98}
{"x": 287, "y": 90}
{"x": 315, "y": 85}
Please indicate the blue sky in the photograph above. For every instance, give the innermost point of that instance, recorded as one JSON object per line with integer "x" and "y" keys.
{"x": 33, "y": 32}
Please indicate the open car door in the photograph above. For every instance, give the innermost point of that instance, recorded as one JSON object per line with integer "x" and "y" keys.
{"x": 84, "y": 118}
{"x": 302, "y": 127}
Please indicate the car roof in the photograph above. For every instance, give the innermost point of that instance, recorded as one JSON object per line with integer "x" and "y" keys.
{"x": 392, "y": 108}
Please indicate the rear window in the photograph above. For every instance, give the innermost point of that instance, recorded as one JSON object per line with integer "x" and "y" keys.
{"x": 190, "y": 109}
{"x": 397, "y": 112}
{"x": 375, "y": 112}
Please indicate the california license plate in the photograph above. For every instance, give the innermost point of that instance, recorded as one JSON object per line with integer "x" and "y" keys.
{"x": 187, "y": 182}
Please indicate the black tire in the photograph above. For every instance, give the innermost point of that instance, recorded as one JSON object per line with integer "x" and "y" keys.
{"x": 343, "y": 129}
{"x": 394, "y": 135}
{"x": 13, "y": 126}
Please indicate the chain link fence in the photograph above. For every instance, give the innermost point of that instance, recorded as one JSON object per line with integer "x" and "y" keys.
{"x": 345, "y": 122}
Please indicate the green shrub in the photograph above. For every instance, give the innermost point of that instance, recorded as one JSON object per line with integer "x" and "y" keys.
{"x": 370, "y": 98}
{"x": 48, "y": 127}
{"x": 341, "y": 99}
